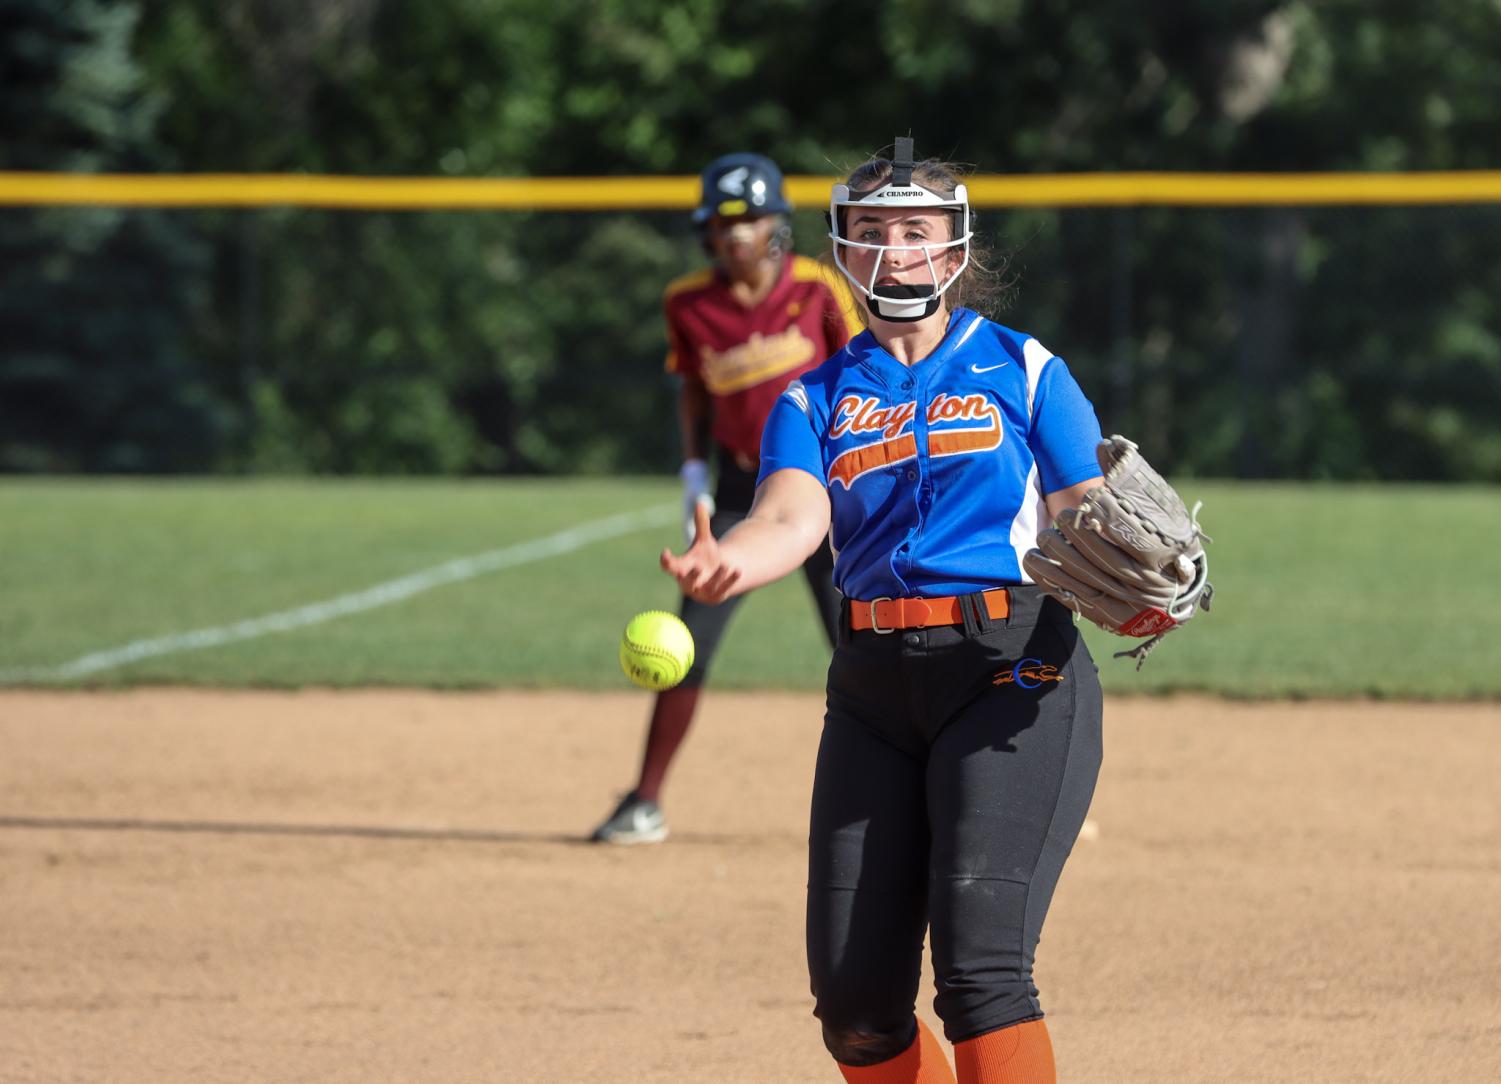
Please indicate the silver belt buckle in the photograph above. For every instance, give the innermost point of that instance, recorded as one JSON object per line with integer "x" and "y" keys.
{"x": 875, "y": 626}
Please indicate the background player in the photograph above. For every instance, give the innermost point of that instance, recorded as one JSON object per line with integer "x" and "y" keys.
{"x": 961, "y": 741}
{"x": 738, "y": 333}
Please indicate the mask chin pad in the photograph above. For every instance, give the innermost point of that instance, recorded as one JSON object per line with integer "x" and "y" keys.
{"x": 903, "y": 303}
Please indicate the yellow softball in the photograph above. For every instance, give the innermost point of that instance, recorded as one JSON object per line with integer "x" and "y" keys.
{"x": 656, "y": 650}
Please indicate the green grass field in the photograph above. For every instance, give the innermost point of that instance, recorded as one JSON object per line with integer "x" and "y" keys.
{"x": 1321, "y": 590}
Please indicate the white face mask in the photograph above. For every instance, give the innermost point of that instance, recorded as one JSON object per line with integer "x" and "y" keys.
{"x": 906, "y": 302}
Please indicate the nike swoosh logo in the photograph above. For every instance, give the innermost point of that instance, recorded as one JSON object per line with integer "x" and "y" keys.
{"x": 988, "y": 368}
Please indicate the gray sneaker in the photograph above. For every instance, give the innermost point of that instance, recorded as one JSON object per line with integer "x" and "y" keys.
{"x": 635, "y": 820}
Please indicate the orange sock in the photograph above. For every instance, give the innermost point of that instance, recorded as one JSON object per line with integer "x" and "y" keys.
{"x": 1021, "y": 1054}
{"x": 921, "y": 1063}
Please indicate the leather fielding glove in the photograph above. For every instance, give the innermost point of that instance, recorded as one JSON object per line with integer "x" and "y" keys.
{"x": 1131, "y": 557}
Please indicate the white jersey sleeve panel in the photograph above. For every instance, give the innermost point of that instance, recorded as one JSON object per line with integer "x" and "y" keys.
{"x": 974, "y": 325}
{"x": 1033, "y": 511}
{"x": 1024, "y": 527}
{"x": 798, "y": 394}
{"x": 1036, "y": 357}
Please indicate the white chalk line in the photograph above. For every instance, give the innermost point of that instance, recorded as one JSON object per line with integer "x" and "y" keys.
{"x": 382, "y": 594}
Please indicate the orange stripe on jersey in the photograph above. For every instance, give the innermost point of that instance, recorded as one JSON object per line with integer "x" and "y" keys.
{"x": 962, "y": 441}
{"x": 855, "y": 415}
{"x": 857, "y": 461}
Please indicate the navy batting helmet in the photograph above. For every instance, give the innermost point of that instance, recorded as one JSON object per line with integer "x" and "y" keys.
{"x": 740, "y": 184}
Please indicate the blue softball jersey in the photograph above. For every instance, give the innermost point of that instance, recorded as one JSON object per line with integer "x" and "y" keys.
{"x": 936, "y": 473}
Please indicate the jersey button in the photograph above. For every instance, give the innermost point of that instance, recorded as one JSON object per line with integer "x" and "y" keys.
{"x": 912, "y": 639}
{"x": 911, "y": 476}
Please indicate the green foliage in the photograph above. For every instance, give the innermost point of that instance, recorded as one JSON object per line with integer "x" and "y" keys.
{"x": 1301, "y": 343}
{"x": 1321, "y": 590}
{"x": 94, "y": 374}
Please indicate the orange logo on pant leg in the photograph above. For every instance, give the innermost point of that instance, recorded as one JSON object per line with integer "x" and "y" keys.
{"x": 1028, "y": 674}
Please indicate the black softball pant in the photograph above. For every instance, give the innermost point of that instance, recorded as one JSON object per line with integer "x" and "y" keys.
{"x": 954, "y": 773}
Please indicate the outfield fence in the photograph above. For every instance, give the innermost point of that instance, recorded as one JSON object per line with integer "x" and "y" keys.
{"x": 1341, "y": 326}
{"x": 680, "y": 193}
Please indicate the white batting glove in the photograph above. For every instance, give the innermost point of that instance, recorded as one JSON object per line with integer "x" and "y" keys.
{"x": 695, "y": 477}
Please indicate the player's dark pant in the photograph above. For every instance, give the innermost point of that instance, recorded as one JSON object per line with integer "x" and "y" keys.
{"x": 954, "y": 773}
{"x": 733, "y": 495}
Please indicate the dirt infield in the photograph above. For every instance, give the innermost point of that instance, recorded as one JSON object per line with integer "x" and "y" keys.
{"x": 389, "y": 886}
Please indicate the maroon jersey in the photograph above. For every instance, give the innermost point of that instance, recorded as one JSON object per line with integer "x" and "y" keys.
{"x": 747, "y": 357}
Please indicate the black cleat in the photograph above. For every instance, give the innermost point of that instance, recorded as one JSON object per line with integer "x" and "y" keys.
{"x": 635, "y": 820}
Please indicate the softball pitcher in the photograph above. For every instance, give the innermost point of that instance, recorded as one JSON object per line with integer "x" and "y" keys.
{"x": 738, "y": 332}
{"x": 961, "y": 740}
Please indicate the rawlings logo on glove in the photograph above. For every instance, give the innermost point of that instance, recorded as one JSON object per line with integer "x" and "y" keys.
{"x": 1131, "y": 557}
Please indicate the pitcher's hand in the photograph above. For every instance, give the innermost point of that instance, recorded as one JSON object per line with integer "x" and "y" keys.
{"x": 702, "y": 572}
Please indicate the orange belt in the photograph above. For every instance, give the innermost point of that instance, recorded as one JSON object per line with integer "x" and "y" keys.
{"x": 890, "y": 614}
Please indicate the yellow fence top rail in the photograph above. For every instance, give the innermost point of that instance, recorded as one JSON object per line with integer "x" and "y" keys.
{"x": 680, "y": 193}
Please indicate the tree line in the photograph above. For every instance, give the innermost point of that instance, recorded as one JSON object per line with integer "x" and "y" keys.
{"x": 1346, "y": 343}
